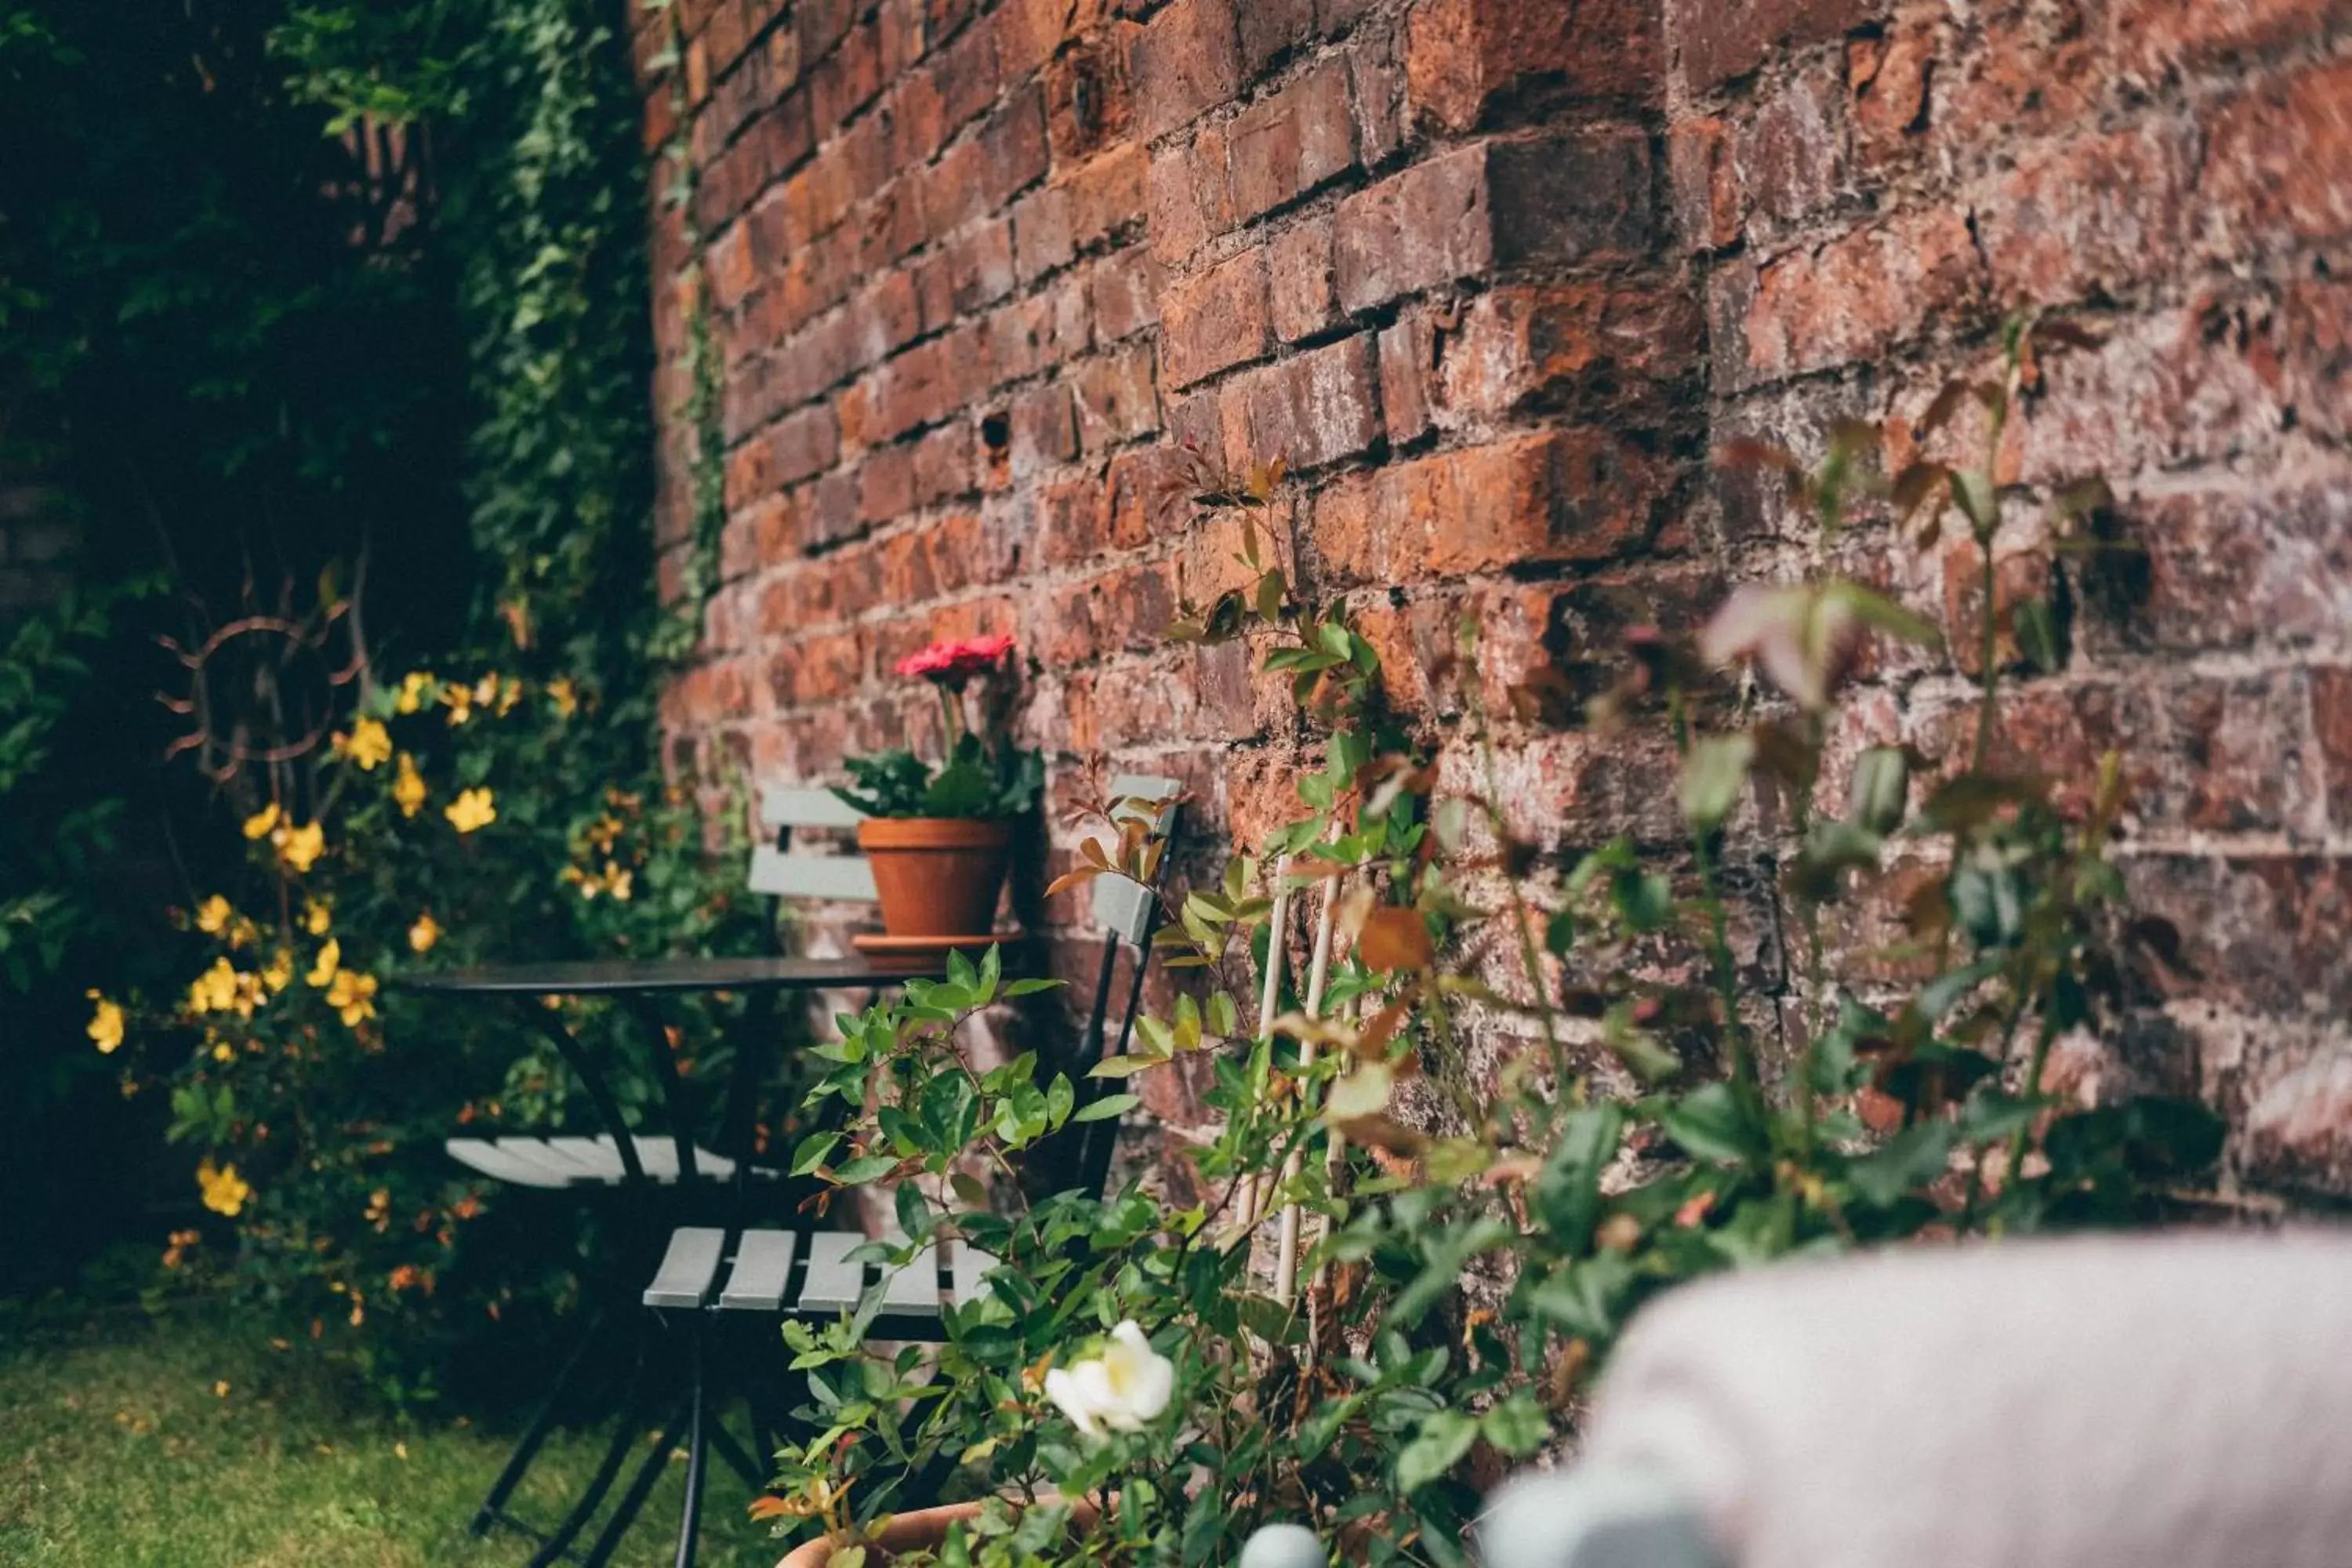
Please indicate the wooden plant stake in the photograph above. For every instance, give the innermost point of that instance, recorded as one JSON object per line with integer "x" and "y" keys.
{"x": 1286, "y": 1262}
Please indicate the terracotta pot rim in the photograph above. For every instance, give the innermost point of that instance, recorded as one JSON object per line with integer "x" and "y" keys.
{"x": 934, "y": 832}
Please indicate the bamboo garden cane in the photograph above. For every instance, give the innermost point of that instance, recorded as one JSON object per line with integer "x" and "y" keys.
{"x": 1286, "y": 1261}
{"x": 1253, "y": 1200}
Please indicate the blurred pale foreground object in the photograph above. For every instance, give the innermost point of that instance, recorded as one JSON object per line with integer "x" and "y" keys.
{"x": 2154, "y": 1402}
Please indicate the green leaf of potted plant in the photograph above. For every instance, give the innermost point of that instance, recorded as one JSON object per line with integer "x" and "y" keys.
{"x": 938, "y": 837}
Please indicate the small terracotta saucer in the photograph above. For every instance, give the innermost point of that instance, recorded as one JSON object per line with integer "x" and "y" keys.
{"x": 926, "y": 951}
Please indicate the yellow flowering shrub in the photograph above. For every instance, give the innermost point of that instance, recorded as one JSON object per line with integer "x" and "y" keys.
{"x": 314, "y": 1095}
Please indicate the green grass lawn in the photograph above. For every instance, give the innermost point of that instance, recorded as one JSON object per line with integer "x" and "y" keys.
{"x": 131, "y": 1443}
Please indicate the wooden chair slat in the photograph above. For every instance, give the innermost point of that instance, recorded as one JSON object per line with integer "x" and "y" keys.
{"x": 1131, "y": 789}
{"x": 500, "y": 1166}
{"x": 914, "y": 1287}
{"x": 576, "y": 1160}
{"x": 589, "y": 1158}
{"x": 1123, "y": 906}
{"x": 789, "y": 806}
{"x": 762, "y": 1272}
{"x": 972, "y": 1266}
{"x": 843, "y": 878}
{"x": 833, "y": 1283}
{"x": 688, "y": 1269}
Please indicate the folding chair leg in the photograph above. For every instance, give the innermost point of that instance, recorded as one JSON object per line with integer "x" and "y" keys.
{"x": 626, "y": 1433}
{"x": 641, "y": 1486}
{"x": 534, "y": 1436}
{"x": 738, "y": 1459}
{"x": 689, "y": 1519}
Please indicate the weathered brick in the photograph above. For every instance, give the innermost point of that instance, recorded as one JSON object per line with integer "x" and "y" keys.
{"x": 1045, "y": 429}
{"x": 2220, "y": 569}
{"x": 1855, "y": 296}
{"x": 1622, "y": 350}
{"x": 1408, "y": 365}
{"x": 1553, "y": 199}
{"x": 1789, "y": 154}
{"x": 1707, "y": 209}
{"x": 980, "y": 268}
{"x": 2298, "y": 1134}
{"x": 2095, "y": 217}
{"x": 1463, "y": 55}
{"x": 1187, "y": 58}
{"x": 2331, "y": 716}
{"x": 943, "y": 464}
{"x": 1128, "y": 607}
{"x": 1216, "y": 319}
{"x": 2273, "y": 164}
{"x": 1187, "y": 197}
{"x": 1887, "y": 80}
{"x": 1125, "y": 291}
{"x": 1304, "y": 300}
{"x": 1042, "y": 241}
{"x": 1117, "y": 400}
{"x": 1088, "y": 101}
{"x": 2263, "y": 933}
{"x": 2155, "y": 38}
{"x": 1568, "y": 495}
{"x": 1108, "y": 196}
{"x": 1313, "y": 408}
{"x": 1289, "y": 142}
{"x": 1716, "y": 41}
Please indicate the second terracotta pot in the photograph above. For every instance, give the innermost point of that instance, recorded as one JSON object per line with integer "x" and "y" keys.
{"x": 937, "y": 876}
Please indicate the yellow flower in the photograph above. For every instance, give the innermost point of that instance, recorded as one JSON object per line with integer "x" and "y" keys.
{"x": 352, "y": 994}
{"x": 263, "y": 822}
{"x": 474, "y": 808}
{"x": 213, "y": 915}
{"x": 461, "y": 702}
{"x": 413, "y": 688}
{"x": 224, "y": 1190}
{"x": 106, "y": 1025}
{"x": 510, "y": 693}
{"x": 279, "y": 972}
{"x": 369, "y": 745}
{"x": 301, "y": 847}
{"x": 331, "y": 959}
{"x": 618, "y": 882}
{"x": 423, "y": 933}
{"x": 564, "y": 695}
{"x": 318, "y": 914}
{"x": 408, "y": 788}
{"x": 214, "y": 990}
{"x": 223, "y": 1051}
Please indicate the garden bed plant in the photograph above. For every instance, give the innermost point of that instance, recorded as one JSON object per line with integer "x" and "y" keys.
{"x": 1473, "y": 1243}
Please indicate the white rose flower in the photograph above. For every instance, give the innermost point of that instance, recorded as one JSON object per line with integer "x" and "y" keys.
{"x": 1125, "y": 1387}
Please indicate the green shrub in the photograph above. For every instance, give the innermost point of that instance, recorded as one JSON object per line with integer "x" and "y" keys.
{"x": 451, "y": 821}
{"x": 1472, "y": 1245}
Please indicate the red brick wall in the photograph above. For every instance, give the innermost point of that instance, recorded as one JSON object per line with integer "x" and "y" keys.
{"x": 1495, "y": 276}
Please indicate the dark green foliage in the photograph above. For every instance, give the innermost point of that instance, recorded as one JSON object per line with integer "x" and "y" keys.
{"x": 978, "y": 781}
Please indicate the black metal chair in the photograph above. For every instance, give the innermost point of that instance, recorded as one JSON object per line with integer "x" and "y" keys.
{"x": 714, "y": 1275}
{"x": 665, "y": 1180}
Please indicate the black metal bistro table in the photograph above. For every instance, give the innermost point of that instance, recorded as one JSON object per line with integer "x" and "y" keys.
{"x": 639, "y": 987}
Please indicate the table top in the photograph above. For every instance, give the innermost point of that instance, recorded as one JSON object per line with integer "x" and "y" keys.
{"x": 665, "y": 976}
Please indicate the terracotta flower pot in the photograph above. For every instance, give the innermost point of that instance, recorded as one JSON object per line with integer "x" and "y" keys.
{"x": 937, "y": 876}
{"x": 921, "y": 1531}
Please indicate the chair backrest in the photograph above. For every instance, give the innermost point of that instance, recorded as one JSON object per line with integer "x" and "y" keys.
{"x": 844, "y": 878}
{"x": 1124, "y": 908}
{"x": 1128, "y": 911}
